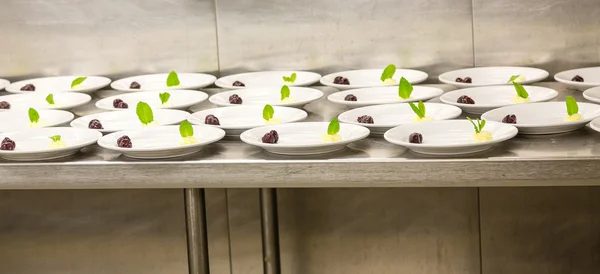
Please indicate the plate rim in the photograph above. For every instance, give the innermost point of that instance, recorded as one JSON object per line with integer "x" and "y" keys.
{"x": 529, "y": 126}
{"x": 219, "y": 81}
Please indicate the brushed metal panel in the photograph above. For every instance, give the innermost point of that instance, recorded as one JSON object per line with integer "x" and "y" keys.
{"x": 93, "y": 231}
{"x": 244, "y": 231}
{"x": 218, "y": 231}
{"x": 551, "y": 34}
{"x": 540, "y": 230}
{"x": 108, "y": 37}
{"x": 379, "y": 231}
{"x": 329, "y": 36}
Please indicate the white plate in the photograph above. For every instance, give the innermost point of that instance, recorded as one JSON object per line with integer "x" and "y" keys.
{"x": 268, "y": 79}
{"x": 4, "y": 83}
{"x": 595, "y": 124}
{"x": 383, "y": 95}
{"x": 386, "y": 117}
{"x": 451, "y": 137}
{"x": 34, "y": 144}
{"x": 180, "y": 99}
{"x": 592, "y": 94}
{"x": 235, "y": 120}
{"x": 159, "y": 82}
{"x": 60, "y": 84}
{"x": 161, "y": 142}
{"x": 365, "y": 78}
{"x": 18, "y": 119}
{"x": 62, "y": 100}
{"x": 591, "y": 78}
{"x": 491, "y": 97}
{"x": 490, "y": 76}
{"x": 544, "y": 118}
{"x": 261, "y": 96}
{"x": 128, "y": 120}
{"x": 304, "y": 138}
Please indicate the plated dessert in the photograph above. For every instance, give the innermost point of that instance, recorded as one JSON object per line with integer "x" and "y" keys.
{"x": 45, "y": 143}
{"x": 22, "y": 119}
{"x": 546, "y": 118}
{"x": 404, "y": 92}
{"x": 142, "y": 118}
{"x": 380, "y": 118}
{"x": 162, "y": 142}
{"x": 235, "y": 120}
{"x": 304, "y": 138}
{"x": 60, "y": 100}
{"x": 354, "y": 79}
{"x": 490, "y": 76}
{"x": 580, "y": 79}
{"x": 276, "y": 96}
{"x": 83, "y": 84}
{"x": 450, "y": 137}
{"x": 171, "y": 99}
{"x": 478, "y": 100}
{"x": 164, "y": 81}
{"x": 264, "y": 79}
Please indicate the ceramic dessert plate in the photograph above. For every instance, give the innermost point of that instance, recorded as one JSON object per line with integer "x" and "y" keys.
{"x": 590, "y": 78}
{"x": 178, "y": 99}
{"x": 4, "y": 83}
{"x": 304, "y": 138}
{"x": 235, "y": 120}
{"x": 488, "y": 98}
{"x": 36, "y": 145}
{"x": 299, "y": 96}
{"x": 18, "y": 119}
{"x": 591, "y": 94}
{"x": 61, "y": 100}
{"x": 595, "y": 124}
{"x": 544, "y": 118}
{"x": 491, "y": 76}
{"x": 451, "y": 137}
{"x": 159, "y": 82}
{"x": 161, "y": 142}
{"x": 268, "y": 79}
{"x": 128, "y": 120}
{"x": 60, "y": 84}
{"x": 372, "y": 78}
{"x": 386, "y": 117}
{"x": 382, "y": 95}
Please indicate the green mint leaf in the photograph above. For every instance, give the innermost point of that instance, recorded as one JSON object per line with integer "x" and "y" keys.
{"x": 415, "y": 109}
{"x": 476, "y": 127}
{"x": 144, "y": 113}
{"x": 422, "y": 109}
{"x": 55, "y": 138}
{"x": 481, "y": 124}
{"x": 34, "y": 116}
{"x": 388, "y": 72}
{"x": 164, "y": 97}
{"x": 290, "y": 79}
{"x": 572, "y": 107}
{"x": 186, "y": 129}
{"x": 50, "y": 99}
{"x": 268, "y": 112}
{"x": 172, "y": 79}
{"x": 285, "y": 92}
{"x": 513, "y": 78}
{"x": 404, "y": 89}
{"x": 77, "y": 81}
{"x": 334, "y": 127}
{"x": 521, "y": 92}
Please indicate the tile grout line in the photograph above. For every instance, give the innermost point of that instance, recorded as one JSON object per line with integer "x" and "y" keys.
{"x": 217, "y": 39}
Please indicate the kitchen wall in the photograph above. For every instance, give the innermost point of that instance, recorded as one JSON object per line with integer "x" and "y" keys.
{"x": 118, "y": 38}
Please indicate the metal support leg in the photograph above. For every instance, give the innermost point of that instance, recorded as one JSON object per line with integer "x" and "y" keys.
{"x": 195, "y": 217}
{"x": 270, "y": 231}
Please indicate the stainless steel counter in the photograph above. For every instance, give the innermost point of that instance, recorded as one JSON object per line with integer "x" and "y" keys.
{"x": 567, "y": 159}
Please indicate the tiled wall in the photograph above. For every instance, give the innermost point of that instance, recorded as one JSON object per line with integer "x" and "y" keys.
{"x": 117, "y": 38}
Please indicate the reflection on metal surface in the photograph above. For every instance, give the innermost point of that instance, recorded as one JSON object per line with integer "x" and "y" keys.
{"x": 270, "y": 231}
{"x": 197, "y": 242}
{"x": 244, "y": 231}
{"x": 554, "y": 35}
{"x": 330, "y": 36}
{"x": 108, "y": 37}
{"x": 540, "y": 230}
{"x": 218, "y": 231}
{"x": 92, "y": 231}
